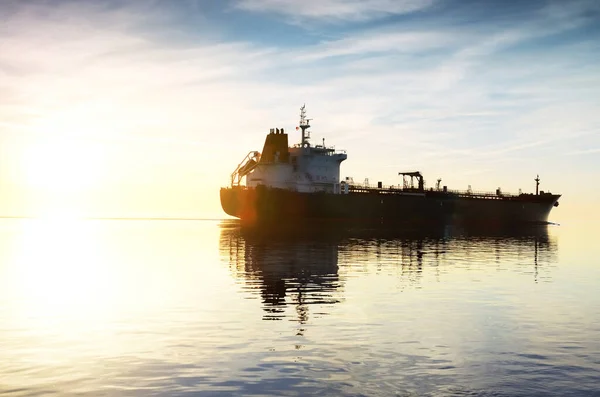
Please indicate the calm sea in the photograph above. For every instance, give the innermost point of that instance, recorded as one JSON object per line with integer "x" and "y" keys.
{"x": 173, "y": 308}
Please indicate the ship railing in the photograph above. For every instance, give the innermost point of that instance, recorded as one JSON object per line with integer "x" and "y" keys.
{"x": 328, "y": 150}
{"x": 339, "y": 151}
{"x": 482, "y": 194}
{"x": 395, "y": 189}
{"x": 460, "y": 193}
{"x": 333, "y": 152}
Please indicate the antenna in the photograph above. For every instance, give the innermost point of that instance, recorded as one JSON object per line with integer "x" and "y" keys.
{"x": 304, "y": 125}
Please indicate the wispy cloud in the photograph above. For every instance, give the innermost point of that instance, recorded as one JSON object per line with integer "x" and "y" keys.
{"x": 584, "y": 152}
{"x": 335, "y": 10}
{"x": 378, "y": 42}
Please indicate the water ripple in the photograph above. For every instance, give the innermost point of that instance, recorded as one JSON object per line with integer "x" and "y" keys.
{"x": 166, "y": 309}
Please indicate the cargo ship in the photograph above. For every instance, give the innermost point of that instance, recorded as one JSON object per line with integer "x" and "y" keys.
{"x": 301, "y": 183}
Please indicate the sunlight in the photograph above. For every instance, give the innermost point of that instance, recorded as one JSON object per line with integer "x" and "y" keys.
{"x": 59, "y": 270}
{"x": 61, "y": 214}
{"x": 63, "y": 165}
{"x": 70, "y": 275}
{"x": 61, "y": 285}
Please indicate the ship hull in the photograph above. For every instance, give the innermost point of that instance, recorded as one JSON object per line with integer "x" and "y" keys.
{"x": 279, "y": 206}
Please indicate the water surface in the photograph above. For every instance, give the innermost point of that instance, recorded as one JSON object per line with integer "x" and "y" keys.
{"x": 205, "y": 308}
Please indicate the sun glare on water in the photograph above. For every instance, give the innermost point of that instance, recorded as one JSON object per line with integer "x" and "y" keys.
{"x": 58, "y": 269}
{"x": 61, "y": 289}
{"x": 70, "y": 277}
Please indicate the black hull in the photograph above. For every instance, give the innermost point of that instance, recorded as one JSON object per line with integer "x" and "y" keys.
{"x": 278, "y": 206}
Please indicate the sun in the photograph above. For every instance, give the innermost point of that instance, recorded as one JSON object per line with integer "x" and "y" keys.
{"x": 62, "y": 176}
{"x": 63, "y": 165}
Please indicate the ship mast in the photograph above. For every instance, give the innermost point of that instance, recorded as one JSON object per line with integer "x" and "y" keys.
{"x": 304, "y": 125}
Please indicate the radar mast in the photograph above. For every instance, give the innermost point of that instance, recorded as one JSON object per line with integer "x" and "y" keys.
{"x": 304, "y": 125}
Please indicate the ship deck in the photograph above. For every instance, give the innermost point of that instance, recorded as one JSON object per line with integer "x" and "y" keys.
{"x": 443, "y": 194}
{"x": 449, "y": 193}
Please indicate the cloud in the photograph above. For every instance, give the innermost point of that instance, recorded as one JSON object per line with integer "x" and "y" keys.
{"x": 381, "y": 42}
{"x": 161, "y": 111}
{"x": 49, "y": 63}
{"x": 335, "y": 10}
{"x": 584, "y": 151}
{"x": 441, "y": 97}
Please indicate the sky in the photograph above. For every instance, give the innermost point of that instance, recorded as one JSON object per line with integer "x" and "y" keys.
{"x": 143, "y": 109}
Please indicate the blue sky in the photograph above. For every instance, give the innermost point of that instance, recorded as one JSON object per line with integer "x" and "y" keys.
{"x": 144, "y": 108}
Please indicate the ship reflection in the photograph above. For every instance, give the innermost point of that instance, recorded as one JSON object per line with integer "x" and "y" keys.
{"x": 413, "y": 253}
{"x": 288, "y": 271}
{"x": 301, "y": 268}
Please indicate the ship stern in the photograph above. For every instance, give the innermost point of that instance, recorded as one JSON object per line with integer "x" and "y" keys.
{"x": 239, "y": 202}
{"x": 230, "y": 201}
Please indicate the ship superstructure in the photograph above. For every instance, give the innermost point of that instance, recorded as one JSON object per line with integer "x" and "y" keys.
{"x": 301, "y": 168}
{"x": 302, "y": 182}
